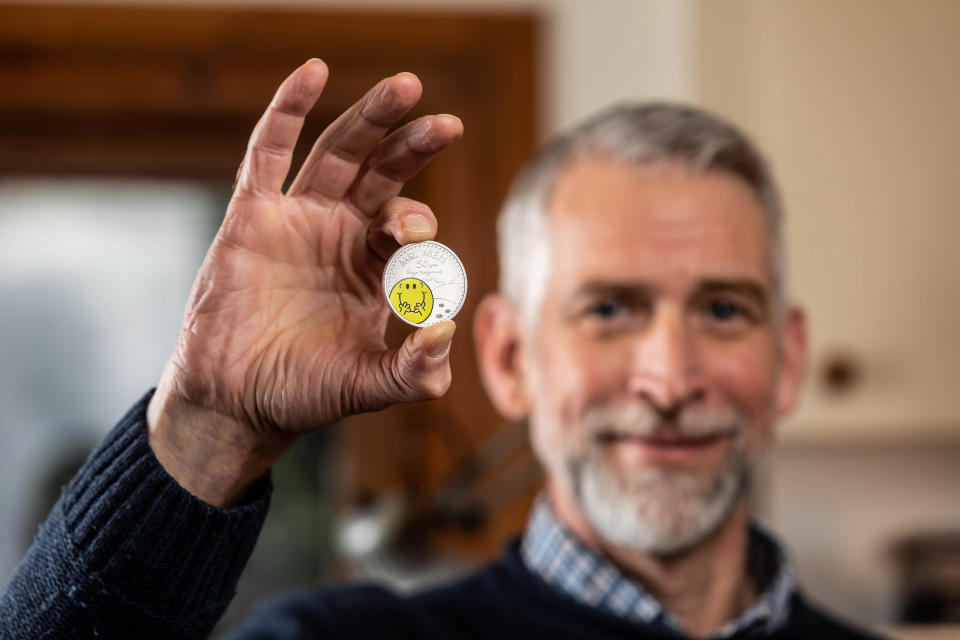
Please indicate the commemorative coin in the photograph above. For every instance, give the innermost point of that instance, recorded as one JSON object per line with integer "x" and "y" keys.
{"x": 424, "y": 283}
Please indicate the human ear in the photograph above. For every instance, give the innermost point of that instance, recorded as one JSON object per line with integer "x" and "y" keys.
{"x": 793, "y": 359}
{"x": 501, "y": 355}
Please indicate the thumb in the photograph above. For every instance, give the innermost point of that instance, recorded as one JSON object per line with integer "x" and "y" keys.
{"x": 421, "y": 366}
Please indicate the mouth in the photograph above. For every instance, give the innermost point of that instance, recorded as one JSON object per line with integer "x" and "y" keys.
{"x": 669, "y": 447}
{"x": 660, "y": 439}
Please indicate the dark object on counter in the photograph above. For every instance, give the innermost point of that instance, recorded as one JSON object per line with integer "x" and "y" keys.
{"x": 929, "y": 569}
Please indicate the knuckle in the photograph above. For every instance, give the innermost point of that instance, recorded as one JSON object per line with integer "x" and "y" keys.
{"x": 419, "y": 380}
{"x": 238, "y": 181}
{"x": 435, "y": 386}
{"x": 380, "y": 104}
{"x": 404, "y": 374}
{"x": 400, "y": 207}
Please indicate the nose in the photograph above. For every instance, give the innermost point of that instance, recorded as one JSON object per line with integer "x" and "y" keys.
{"x": 665, "y": 369}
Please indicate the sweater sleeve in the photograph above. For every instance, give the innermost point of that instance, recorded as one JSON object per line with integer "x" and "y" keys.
{"x": 128, "y": 553}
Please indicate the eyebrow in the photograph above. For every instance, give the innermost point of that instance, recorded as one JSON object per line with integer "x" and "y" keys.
{"x": 748, "y": 288}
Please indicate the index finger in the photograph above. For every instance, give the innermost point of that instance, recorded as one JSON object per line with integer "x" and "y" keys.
{"x": 270, "y": 150}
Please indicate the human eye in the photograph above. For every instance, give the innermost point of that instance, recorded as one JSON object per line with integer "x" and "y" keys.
{"x": 725, "y": 310}
{"x": 609, "y": 315}
{"x": 606, "y": 309}
{"x": 724, "y": 315}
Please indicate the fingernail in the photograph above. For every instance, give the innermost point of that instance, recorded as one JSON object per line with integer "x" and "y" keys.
{"x": 450, "y": 115}
{"x": 440, "y": 349}
{"x": 444, "y": 331}
{"x": 420, "y": 137}
{"x": 416, "y": 223}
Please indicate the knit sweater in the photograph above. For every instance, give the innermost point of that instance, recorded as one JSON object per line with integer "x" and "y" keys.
{"x": 127, "y": 553}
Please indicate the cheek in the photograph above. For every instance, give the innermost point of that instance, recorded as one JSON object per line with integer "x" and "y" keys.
{"x": 745, "y": 374}
{"x": 574, "y": 373}
{"x": 568, "y": 375}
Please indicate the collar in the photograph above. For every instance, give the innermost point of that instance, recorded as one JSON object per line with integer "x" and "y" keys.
{"x": 553, "y": 552}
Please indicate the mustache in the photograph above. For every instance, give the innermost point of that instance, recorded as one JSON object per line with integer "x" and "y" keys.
{"x": 640, "y": 420}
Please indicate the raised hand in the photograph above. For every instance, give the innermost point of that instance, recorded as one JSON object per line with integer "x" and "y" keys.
{"x": 283, "y": 332}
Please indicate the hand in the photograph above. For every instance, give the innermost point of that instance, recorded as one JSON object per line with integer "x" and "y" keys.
{"x": 283, "y": 332}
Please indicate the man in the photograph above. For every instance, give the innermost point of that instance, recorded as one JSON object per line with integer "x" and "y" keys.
{"x": 641, "y": 327}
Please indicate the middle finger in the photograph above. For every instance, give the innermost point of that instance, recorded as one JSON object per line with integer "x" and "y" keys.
{"x": 400, "y": 156}
{"x": 342, "y": 148}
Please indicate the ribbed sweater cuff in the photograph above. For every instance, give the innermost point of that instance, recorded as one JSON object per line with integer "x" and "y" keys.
{"x": 149, "y": 539}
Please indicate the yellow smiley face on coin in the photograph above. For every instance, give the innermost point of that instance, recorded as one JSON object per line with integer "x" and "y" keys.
{"x": 412, "y": 299}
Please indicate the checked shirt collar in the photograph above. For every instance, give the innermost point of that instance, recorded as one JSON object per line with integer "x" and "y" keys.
{"x": 552, "y": 551}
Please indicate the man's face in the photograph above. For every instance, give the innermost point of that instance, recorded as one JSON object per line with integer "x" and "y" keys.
{"x": 653, "y": 371}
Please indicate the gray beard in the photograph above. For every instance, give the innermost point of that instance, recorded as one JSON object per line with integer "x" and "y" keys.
{"x": 657, "y": 510}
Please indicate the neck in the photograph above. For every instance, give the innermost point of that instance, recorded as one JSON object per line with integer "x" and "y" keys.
{"x": 704, "y": 587}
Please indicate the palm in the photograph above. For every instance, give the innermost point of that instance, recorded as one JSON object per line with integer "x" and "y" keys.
{"x": 285, "y": 324}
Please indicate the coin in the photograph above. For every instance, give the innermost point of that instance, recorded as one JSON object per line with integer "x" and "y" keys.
{"x": 425, "y": 282}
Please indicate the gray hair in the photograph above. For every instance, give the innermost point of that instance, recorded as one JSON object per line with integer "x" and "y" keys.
{"x": 643, "y": 134}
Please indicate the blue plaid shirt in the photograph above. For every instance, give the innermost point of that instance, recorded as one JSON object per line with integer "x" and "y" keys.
{"x": 556, "y": 555}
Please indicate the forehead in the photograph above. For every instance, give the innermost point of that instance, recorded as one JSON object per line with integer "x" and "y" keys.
{"x": 658, "y": 223}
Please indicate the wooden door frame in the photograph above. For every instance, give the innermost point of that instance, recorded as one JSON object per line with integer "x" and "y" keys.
{"x": 174, "y": 92}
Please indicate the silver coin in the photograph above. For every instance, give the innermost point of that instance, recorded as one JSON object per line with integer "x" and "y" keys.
{"x": 424, "y": 283}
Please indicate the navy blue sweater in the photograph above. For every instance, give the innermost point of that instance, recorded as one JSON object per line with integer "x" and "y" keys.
{"x": 128, "y": 553}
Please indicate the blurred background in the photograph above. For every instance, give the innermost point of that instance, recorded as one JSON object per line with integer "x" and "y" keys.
{"x": 121, "y": 129}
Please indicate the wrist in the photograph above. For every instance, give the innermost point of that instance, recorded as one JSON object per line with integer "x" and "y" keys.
{"x": 213, "y": 456}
